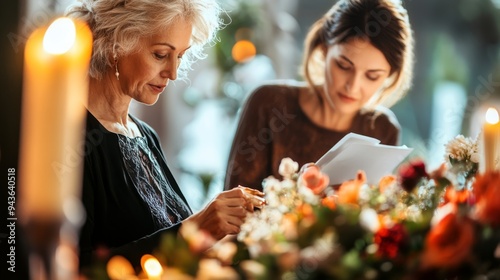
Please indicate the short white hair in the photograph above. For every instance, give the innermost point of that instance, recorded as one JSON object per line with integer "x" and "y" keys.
{"x": 118, "y": 25}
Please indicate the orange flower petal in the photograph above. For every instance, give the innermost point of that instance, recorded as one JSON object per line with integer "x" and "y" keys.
{"x": 329, "y": 202}
{"x": 449, "y": 242}
{"x": 487, "y": 194}
{"x": 349, "y": 190}
{"x": 385, "y": 182}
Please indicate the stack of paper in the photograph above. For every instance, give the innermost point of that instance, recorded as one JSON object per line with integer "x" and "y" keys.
{"x": 358, "y": 152}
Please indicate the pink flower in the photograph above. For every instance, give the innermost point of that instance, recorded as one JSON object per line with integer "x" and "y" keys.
{"x": 314, "y": 179}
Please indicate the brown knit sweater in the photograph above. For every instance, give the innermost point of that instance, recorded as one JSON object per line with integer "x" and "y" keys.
{"x": 272, "y": 126}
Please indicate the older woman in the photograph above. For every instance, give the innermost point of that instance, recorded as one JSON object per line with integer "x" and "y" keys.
{"x": 358, "y": 56}
{"x": 129, "y": 193}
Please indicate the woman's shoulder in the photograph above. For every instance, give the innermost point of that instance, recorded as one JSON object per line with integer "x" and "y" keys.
{"x": 382, "y": 116}
{"x": 380, "y": 123}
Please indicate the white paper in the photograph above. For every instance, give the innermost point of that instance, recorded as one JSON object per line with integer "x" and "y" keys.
{"x": 358, "y": 152}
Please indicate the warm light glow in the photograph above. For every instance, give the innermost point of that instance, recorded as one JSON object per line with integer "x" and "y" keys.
{"x": 60, "y": 36}
{"x": 66, "y": 257}
{"x": 243, "y": 50}
{"x": 492, "y": 116}
{"x": 73, "y": 210}
{"x": 119, "y": 267}
{"x": 153, "y": 267}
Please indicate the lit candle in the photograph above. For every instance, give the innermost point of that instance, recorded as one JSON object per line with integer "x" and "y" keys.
{"x": 55, "y": 89}
{"x": 491, "y": 141}
{"x": 153, "y": 268}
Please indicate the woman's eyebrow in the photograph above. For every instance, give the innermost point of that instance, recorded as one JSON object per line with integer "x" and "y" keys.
{"x": 347, "y": 59}
{"x": 371, "y": 70}
{"x": 169, "y": 45}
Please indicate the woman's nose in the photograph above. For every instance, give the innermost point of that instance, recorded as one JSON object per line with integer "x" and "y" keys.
{"x": 353, "y": 84}
{"x": 170, "y": 70}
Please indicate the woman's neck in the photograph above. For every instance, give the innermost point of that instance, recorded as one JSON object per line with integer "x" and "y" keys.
{"x": 110, "y": 107}
{"x": 106, "y": 102}
{"x": 322, "y": 113}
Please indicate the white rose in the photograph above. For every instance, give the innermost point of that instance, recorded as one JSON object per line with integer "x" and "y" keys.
{"x": 288, "y": 167}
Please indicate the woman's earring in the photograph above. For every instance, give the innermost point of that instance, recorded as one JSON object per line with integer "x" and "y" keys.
{"x": 117, "y": 74}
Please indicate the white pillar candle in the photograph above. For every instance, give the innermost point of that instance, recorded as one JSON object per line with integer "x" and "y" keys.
{"x": 490, "y": 141}
{"x": 55, "y": 88}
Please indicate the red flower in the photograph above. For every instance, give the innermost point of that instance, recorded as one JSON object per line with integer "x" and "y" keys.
{"x": 390, "y": 241}
{"x": 411, "y": 174}
{"x": 487, "y": 193}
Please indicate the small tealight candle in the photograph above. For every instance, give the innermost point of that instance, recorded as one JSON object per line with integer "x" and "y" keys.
{"x": 491, "y": 141}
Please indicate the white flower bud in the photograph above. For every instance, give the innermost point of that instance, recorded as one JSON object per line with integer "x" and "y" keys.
{"x": 288, "y": 167}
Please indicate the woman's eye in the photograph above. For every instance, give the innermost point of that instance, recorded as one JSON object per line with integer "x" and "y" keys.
{"x": 160, "y": 56}
{"x": 372, "y": 77}
{"x": 343, "y": 66}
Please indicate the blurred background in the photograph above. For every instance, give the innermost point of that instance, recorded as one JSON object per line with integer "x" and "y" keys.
{"x": 457, "y": 76}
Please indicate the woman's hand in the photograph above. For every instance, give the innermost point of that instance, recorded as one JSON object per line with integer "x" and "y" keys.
{"x": 226, "y": 213}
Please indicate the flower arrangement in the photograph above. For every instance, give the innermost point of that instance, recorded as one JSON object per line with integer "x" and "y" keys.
{"x": 440, "y": 224}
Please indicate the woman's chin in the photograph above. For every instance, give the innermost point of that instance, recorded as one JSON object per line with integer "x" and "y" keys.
{"x": 347, "y": 109}
{"x": 148, "y": 101}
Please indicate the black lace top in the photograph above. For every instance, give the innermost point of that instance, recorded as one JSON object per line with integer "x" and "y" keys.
{"x": 150, "y": 182}
{"x": 129, "y": 194}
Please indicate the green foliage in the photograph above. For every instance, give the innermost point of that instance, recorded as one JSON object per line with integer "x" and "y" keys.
{"x": 174, "y": 251}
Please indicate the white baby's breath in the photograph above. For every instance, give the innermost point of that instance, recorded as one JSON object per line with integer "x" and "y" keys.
{"x": 288, "y": 167}
{"x": 368, "y": 219}
{"x": 307, "y": 195}
{"x": 263, "y": 229}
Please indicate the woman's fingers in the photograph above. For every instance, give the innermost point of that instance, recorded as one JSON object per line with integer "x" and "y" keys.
{"x": 251, "y": 191}
{"x": 227, "y": 212}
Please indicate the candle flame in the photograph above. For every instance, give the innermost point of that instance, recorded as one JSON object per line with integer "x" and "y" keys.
{"x": 492, "y": 116}
{"x": 153, "y": 267}
{"x": 60, "y": 36}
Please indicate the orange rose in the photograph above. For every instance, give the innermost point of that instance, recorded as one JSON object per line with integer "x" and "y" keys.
{"x": 329, "y": 202}
{"x": 306, "y": 213}
{"x": 349, "y": 190}
{"x": 456, "y": 196}
{"x": 487, "y": 194}
{"x": 289, "y": 226}
{"x": 305, "y": 210}
{"x": 449, "y": 242}
{"x": 385, "y": 182}
{"x": 314, "y": 179}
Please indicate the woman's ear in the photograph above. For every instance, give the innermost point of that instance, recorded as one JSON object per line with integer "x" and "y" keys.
{"x": 113, "y": 54}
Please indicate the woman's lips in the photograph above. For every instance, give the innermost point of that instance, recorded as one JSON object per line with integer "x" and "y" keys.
{"x": 157, "y": 88}
{"x": 346, "y": 98}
